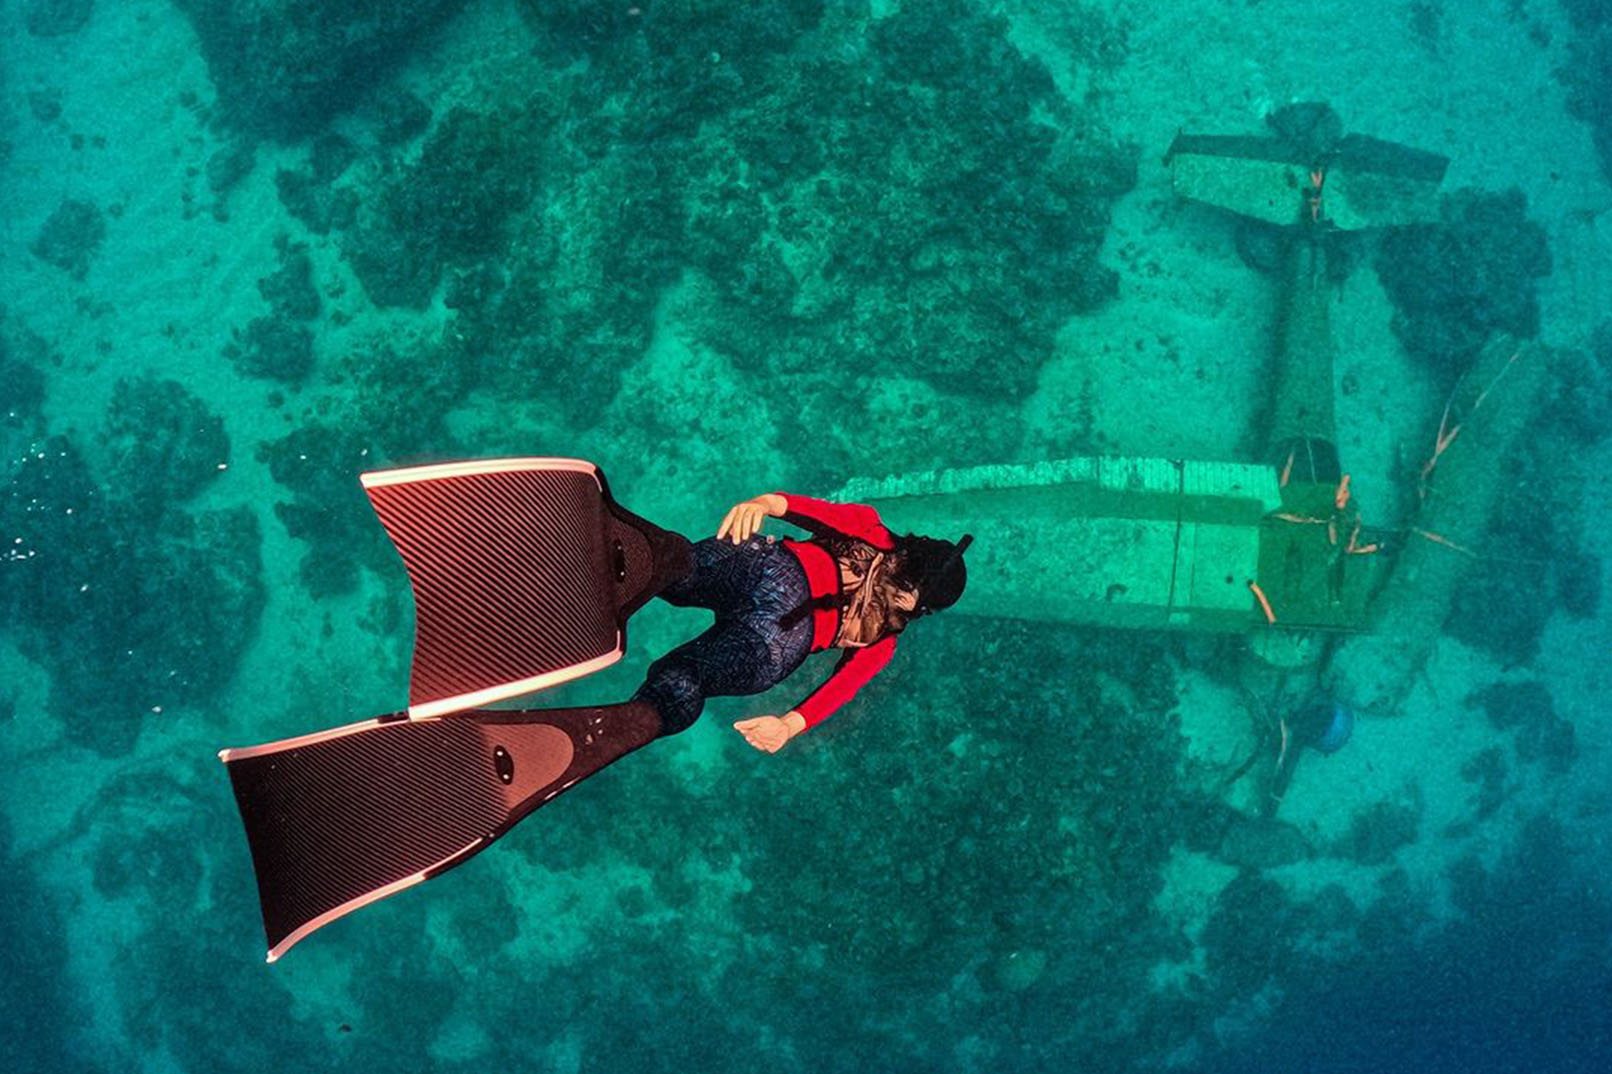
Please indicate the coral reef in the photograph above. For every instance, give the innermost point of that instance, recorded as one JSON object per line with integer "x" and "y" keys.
{"x": 34, "y": 992}
{"x": 1580, "y": 391}
{"x": 1527, "y": 706}
{"x": 25, "y": 383}
{"x": 953, "y": 249}
{"x": 144, "y": 836}
{"x": 1399, "y": 968}
{"x": 401, "y": 118}
{"x": 932, "y": 834}
{"x": 132, "y": 604}
{"x": 1378, "y": 831}
{"x": 1539, "y": 560}
{"x": 1588, "y": 72}
{"x": 310, "y": 194}
{"x": 550, "y": 299}
{"x": 162, "y": 446}
{"x": 290, "y": 290}
{"x": 283, "y": 68}
{"x": 45, "y": 104}
{"x": 1488, "y": 771}
{"x": 1247, "y": 842}
{"x": 319, "y": 464}
{"x": 277, "y": 346}
{"x": 273, "y": 347}
{"x": 1248, "y": 938}
{"x": 56, "y": 18}
{"x": 395, "y": 407}
{"x": 71, "y": 237}
{"x": 747, "y": 144}
{"x": 226, "y": 168}
{"x": 316, "y": 203}
{"x": 451, "y": 207}
{"x": 1455, "y": 283}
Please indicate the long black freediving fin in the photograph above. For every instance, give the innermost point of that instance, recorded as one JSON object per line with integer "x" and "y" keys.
{"x": 524, "y": 570}
{"x": 341, "y": 818}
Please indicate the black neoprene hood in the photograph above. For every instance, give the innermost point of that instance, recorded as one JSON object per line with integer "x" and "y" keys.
{"x": 945, "y": 583}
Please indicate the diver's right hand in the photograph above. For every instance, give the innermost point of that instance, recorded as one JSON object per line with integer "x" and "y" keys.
{"x": 767, "y": 733}
{"x": 745, "y": 519}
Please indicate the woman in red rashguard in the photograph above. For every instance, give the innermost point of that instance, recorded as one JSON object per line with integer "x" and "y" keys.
{"x": 854, "y": 585}
{"x": 343, "y": 817}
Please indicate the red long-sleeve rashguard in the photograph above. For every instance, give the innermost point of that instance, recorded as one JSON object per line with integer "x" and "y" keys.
{"x": 857, "y": 666}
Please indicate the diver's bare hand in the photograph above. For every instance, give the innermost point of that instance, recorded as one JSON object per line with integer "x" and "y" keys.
{"x": 745, "y": 519}
{"x": 765, "y": 732}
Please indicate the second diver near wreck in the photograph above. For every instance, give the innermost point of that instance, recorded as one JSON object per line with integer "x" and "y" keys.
{"x": 525, "y": 573}
{"x": 853, "y": 586}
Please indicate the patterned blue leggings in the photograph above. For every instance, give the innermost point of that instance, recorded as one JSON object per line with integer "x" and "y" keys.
{"x": 749, "y": 586}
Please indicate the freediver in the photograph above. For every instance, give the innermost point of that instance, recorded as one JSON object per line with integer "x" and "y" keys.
{"x": 525, "y": 572}
{"x": 853, "y": 586}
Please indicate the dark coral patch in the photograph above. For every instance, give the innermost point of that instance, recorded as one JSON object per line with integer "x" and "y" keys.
{"x": 283, "y": 68}
{"x": 71, "y": 237}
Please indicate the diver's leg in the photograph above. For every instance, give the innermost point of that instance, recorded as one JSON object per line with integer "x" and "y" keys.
{"x": 693, "y": 589}
{"x": 739, "y": 655}
{"x": 723, "y": 576}
{"x": 724, "y": 660}
{"x": 782, "y": 586}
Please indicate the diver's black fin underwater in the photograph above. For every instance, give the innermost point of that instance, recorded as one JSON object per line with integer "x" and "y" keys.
{"x": 525, "y": 572}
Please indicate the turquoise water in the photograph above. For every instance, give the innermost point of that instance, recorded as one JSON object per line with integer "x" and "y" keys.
{"x": 250, "y": 251}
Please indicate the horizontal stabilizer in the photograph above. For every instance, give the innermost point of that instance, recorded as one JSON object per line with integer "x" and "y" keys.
{"x": 1366, "y": 182}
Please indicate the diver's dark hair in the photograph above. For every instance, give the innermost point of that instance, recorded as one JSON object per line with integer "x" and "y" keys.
{"x": 934, "y": 568}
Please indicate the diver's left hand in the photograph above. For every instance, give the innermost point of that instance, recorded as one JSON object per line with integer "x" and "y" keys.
{"x": 765, "y": 732}
{"x": 744, "y": 520}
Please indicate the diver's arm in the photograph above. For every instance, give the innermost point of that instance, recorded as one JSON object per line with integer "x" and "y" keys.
{"x": 825, "y": 516}
{"x": 770, "y": 732}
{"x": 744, "y": 520}
{"x": 854, "y": 670}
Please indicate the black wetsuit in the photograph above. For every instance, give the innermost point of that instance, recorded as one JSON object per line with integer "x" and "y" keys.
{"x": 750, "y": 586}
